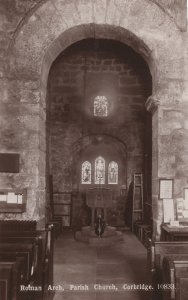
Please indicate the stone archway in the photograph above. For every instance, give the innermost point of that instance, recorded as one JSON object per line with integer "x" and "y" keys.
{"x": 47, "y": 31}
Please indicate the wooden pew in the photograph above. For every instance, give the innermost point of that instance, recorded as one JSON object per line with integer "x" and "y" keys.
{"x": 175, "y": 277}
{"x": 17, "y": 225}
{"x": 11, "y": 277}
{"x": 28, "y": 252}
{"x": 158, "y": 250}
{"x": 156, "y": 253}
{"x": 36, "y": 248}
{"x": 31, "y": 252}
{"x": 48, "y": 263}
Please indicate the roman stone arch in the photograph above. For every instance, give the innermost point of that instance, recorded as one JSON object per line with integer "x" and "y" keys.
{"x": 50, "y": 28}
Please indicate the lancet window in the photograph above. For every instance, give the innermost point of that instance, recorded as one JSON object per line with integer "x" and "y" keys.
{"x": 86, "y": 172}
{"x": 101, "y": 172}
{"x": 113, "y": 173}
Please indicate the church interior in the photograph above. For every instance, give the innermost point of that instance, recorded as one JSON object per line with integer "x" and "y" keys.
{"x": 93, "y": 150}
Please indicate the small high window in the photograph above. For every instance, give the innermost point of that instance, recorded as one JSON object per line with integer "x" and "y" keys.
{"x": 86, "y": 172}
{"x": 100, "y": 106}
{"x": 113, "y": 173}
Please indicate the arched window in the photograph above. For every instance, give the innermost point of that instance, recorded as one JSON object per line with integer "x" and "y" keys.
{"x": 99, "y": 170}
{"x": 112, "y": 173}
{"x": 86, "y": 172}
{"x": 100, "y": 106}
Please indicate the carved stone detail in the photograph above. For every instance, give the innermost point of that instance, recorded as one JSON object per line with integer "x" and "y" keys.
{"x": 152, "y": 104}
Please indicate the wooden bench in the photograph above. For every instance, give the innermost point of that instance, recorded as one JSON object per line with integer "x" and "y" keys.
{"x": 11, "y": 277}
{"x": 158, "y": 250}
{"x": 48, "y": 262}
{"x": 156, "y": 253}
{"x": 175, "y": 277}
{"x": 17, "y": 225}
{"x": 31, "y": 250}
{"x": 36, "y": 249}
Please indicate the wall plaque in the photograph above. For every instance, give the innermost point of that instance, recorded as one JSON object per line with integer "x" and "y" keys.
{"x": 9, "y": 162}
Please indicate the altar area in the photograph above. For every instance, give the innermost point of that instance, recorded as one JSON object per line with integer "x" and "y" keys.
{"x": 99, "y": 199}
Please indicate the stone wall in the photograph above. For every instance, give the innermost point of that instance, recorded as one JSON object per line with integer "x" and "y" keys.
{"x": 83, "y": 71}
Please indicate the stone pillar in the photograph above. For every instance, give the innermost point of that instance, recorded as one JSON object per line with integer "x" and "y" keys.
{"x": 152, "y": 105}
{"x": 169, "y": 151}
{"x": 23, "y": 132}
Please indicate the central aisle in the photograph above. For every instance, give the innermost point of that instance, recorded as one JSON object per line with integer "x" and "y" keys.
{"x": 78, "y": 266}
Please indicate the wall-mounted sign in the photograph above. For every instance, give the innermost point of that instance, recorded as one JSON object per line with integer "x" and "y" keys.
{"x": 179, "y": 208}
{"x": 168, "y": 209}
{"x": 166, "y": 188}
{"x": 13, "y": 201}
{"x": 9, "y": 162}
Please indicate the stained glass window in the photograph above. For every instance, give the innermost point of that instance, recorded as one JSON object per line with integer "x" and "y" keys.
{"x": 101, "y": 106}
{"x": 99, "y": 170}
{"x": 113, "y": 173}
{"x": 86, "y": 172}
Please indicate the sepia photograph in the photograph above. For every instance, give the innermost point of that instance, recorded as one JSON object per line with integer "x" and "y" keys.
{"x": 93, "y": 150}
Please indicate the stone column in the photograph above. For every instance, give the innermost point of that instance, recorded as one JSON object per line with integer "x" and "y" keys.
{"x": 23, "y": 132}
{"x": 169, "y": 151}
{"x": 152, "y": 105}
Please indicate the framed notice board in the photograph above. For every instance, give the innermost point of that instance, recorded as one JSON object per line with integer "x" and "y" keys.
{"x": 13, "y": 201}
{"x": 9, "y": 162}
{"x": 165, "y": 188}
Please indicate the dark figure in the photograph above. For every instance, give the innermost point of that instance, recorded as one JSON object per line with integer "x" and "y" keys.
{"x": 99, "y": 226}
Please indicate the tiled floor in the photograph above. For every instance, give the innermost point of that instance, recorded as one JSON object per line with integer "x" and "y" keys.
{"x": 82, "y": 266}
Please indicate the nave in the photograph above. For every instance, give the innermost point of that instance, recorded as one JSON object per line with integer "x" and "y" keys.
{"x": 76, "y": 263}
